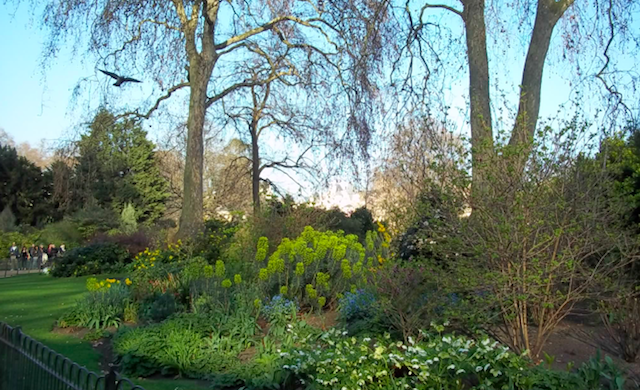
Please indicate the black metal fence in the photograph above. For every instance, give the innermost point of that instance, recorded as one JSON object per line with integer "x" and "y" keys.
{"x": 10, "y": 267}
{"x": 26, "y": 364}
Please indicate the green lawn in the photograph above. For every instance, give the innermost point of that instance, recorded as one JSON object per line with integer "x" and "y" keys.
{"x": 34, "y": 302}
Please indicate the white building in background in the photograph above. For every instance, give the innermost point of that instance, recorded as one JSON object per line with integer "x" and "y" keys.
{"x": 342, "y": 195}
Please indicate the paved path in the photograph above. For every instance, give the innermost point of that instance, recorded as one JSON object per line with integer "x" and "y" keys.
{"x": 14, "y": 273}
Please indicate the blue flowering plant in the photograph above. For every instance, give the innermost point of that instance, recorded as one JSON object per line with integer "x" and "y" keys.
{"x": 360, "y": 313}
{"x": 357, "y": 305}
{"x": 279, "y": 312}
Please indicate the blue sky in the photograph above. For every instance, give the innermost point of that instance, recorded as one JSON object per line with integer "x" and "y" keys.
{"x": 37, "y": 104}
{"x": 34, "y": 105}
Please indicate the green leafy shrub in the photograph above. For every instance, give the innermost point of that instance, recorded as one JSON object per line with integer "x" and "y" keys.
{"x": 157, "y": 308}
{"x": 317, "y": 266}
{"x": 58, "y": 233}
{"x": 215, "y": 238}
{"x": 621, "y": 317}
{"x": 99, "y": 309}
{"x": 96, "y": 334}
{"x": 134, "y": 243}
{"x": 131, "y": 312}
{"x": 409, "y": 296}
{"x": 190, "y": 345}
{"x": 7, "y": 238}
{"x": 91, "y": 260}
{"x": 172, "y": 254}
{"x": 94, "y": 219}
{"x": 541, "y": 239}
{"x": 65, "y": 231}
{"x": 128, "y": 220}
{"x": 359, "y": 222}
{"x": 193, "y": 269}
{"x": 145, "y": 351}
{"x": 223, "y": 294}
{"x": 336, "y": 360}
{"x": 177, "y": 275}
{"x": 196, "y": 284}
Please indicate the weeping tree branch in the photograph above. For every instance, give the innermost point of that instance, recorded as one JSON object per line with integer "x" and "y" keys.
{"x": 284, "y": 164}
{"x": 600, "y": 75}
{"x": 138, "y": 35}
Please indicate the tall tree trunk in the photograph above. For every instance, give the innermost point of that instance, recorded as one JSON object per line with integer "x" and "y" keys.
{"x": 547, "y": 15}
{"x": 191, "y": 218}
{"x": 255, "y": 167}
{"x": 481, "y": 131}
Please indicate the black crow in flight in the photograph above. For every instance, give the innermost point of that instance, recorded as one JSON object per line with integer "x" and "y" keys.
{"x": 119, "y": 79}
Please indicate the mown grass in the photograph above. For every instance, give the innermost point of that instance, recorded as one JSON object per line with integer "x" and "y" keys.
{"x": 35, "y": 302}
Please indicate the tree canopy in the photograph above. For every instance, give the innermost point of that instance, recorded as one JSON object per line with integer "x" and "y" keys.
{"x": 24, "y": 189}
{"x": 116, "y": 166}
{"x": 353, "y": 54}
{"x": 286, "y": 39}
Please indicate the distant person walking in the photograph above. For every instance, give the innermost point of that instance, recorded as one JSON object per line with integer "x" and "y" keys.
{"x": 44, "y": 257}
{"x": 14, "y": 253}
{"x": 39, "y": 253}
{"x": 33, "y": 254}
{"x": 24, "y": 257}
{"x": 53, "y": 251}
{"x": 62, "y": 249}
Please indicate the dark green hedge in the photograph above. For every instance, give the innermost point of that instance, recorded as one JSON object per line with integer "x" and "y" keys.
{"x": 101, "y": 258}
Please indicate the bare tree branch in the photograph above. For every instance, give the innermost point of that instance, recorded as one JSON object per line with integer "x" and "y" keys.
{"x": 283, "y": 163}
{"x": 244, "y": 84}
{"x": 162, "y": 98}
{"x": 443, "y": 6}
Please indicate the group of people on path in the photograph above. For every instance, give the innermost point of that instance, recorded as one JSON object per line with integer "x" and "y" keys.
{"x": 34, "y": 257}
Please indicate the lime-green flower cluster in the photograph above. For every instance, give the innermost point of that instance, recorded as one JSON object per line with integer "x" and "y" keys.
{"x": 299, "y": 269}
{"x": 195, "y": 268}
{"x": 263, "y": 248}
{"x": 346, "y": 269}
{"x": 322, "y": 280}
{"x": 316, "y": 265}
{"x": 220, "y": 269}
{"x": 311, "y": 292}
{"x": 208, "y": 271}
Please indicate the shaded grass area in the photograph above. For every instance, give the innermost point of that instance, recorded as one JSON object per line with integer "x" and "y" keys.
{"x": 35, "y": 302}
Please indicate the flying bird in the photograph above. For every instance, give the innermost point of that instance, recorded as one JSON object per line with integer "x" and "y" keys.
{"x": 119, "y": 79}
